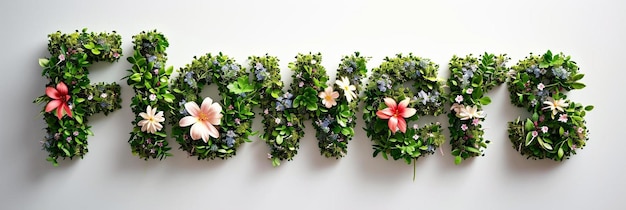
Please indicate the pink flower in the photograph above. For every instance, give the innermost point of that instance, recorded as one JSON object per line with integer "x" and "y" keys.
{"x": 328, "y": 97}
{"x": 544, "y": 129}
{"x": 266, "y": 111}
{"x": 535, "y": 134}
{"x": 61, "y": 57}
{"x": 580, "y": 130}
{"x": 301, "y": 84}
{"x": 396, "y": 113}
{"x": 459, "y": 98}
{"x": 540, "y": 86}
{"x": 469, "y": 90}
{"x": 475, "y": 122}
{"x": 464, "y": 127}
{"x": 563, "y": 118}
{"x": 60, "y": 96}
{"x": 203, "y": 119}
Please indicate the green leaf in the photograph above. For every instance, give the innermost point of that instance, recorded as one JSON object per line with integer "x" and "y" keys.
{"x": 279, "y": 140}
{"x": 79, "y": 119}
{"x": 529, "y": 125}
{"x": 589, "y": 108}
{"x": 66, "y": 151}
{"x": 578, "y": 77}
{"x": 529, "y": 138}
{"x": 561, "y": 131}
{"x": 169, "y": 70}
{"x": 560, "y": 153}
{"x": 457, "y": 160}
{"x": 485, "y": 100}
{"x": 43, "y": 62}
{"x": 80, "y": 100}
{"x": 578, "y": 85}
{"x": 241, "y": 86}
{"x": 161, "y": 134}
{"x": 472, "y": 149}
{"x": 169, "y": 97}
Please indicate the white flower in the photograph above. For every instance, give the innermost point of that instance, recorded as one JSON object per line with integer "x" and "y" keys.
{"x": 555, "y": 105}
{"x": 103, "y": 95}
{"x": 151, "y": 122}
{"x": 469, "y": 90}
{"x": 469, "y": 112}
{"x": 563, "y": 118}
{"x": 313, "y": 61}
{"x": 90, "y": 97}
{"x": 277, "y": 120}
{"x": 540, "y": 86}
{"x": 348, "y": 89}
{"x": 544, "y": 129}
{"x": 152, "y": 97}
{"x": 459, "y": 98}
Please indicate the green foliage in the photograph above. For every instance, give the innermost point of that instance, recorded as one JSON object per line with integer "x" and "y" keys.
{"x": 389, "y": 81}
{"x": 539, "y": 79}
{"x": 238, "y": 97}
{"x": 149, "y": 77}
{"x": 282, "y": 124}
{"x": 470, "y": 78}
{"x": 70, "y": 57}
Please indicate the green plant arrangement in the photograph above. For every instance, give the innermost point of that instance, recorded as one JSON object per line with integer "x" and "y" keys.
{"x": 69, "y": 96}
{"x": 470, "y": 78}
{"x": 337, "y": 118}
{"x": 556, "y": 127}
{"x": 209, "y": 128}
{"x": 282, "y": 124}
{"x": 149, "y": 79}
{"x": 389, "y": 107}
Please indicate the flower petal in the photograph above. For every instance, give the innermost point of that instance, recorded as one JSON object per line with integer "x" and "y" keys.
{"x": 192, "y": 108}
{"x": 207, "y": 103}
{"x": 67, "y": 109}
{"x": 409, "y": 112}
{"x": 384, "y": 114}
{"x": 196, "y": 131}
{"x": 215, "y": 120}
{"x": 62, "y": 88}
{"x": 404, "y": 103}
{"x": 187, "y": 121}
{"x": 52, "y": 105}
{"x": 393, "y": 124}
{"x": 60, "y": 112}
{"x": 53, "y": 93}
{"x": 402, "y": 125}
{"x": 212, "y": 131}
{"x": 144, "y": 115}
{"x": 390, "y": 103}
{"x": 334, "y": 94}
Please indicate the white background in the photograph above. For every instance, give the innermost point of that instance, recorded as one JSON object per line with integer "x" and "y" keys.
{"x": 109, "y": 177}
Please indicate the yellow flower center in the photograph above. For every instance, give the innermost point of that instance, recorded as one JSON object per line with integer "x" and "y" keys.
{"x": 328, "y": 98}
{"x": 203, "y": 116}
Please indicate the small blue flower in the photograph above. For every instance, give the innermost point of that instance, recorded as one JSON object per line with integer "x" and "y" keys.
{"x": 349, "y": 69}
{"x": 225, "y": 68}
{"x": 214, "y": 148}
{"x": 234, "y": 67}
{"x": 279, "y": 106}
{"x": 424, "y": 63}
{"x": 259, "y": 66}
{"x": 431, "y": 148}
{"x": 152, "y": 58}
{"x": 231, "y": 133}
{"x": 424, "y": 96}
{"x": 104, "y": 104}
{"x": 260, "y": 73}
{"x": 288, "y": 95}
{"x": 189, "y": 79}
{"x": 230, "y": 141}
{"x": 288, "y": 103}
